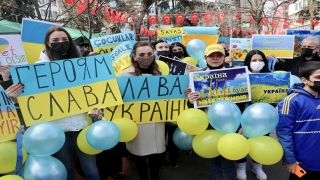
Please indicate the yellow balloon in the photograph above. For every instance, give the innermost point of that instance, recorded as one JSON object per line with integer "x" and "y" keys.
{"x": 11, "y": 177}
{"x": 265, "y": 150}
{"x": 193, "y": 121}
{"x": 128, "y": 129}
{"x": 190, "y": 61}
{"x": 83, "y": 144}
{"x": 163, "y": 67}
{"x": 206, "y": 143}
{"x": 8, "y": 156}
{"x": 233, "y": 146}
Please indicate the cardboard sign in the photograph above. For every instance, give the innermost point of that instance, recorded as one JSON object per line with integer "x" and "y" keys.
{"x": 120, "y": 56}
{"x": 58, "y": 89}
{"x": 175, "y": 67}
{"x": 170, "y": 35}
{"x": 240, "y": 47}
{"x": 224, "y": 84}
{"x": 11, "y": 50}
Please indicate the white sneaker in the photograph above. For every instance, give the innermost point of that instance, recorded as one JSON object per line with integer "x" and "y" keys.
{"x": 241, "y": 171}
{"x": 257, "y": 170}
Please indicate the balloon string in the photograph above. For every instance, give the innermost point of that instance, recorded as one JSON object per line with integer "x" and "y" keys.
{"x": 19, "y": 162}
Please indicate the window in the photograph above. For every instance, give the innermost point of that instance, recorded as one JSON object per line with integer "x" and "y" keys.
{"x": 296, "y": 7}
{"x": 300, "y": 5}
{"x": 54, "y": 3}
{"x": 41, "y": 1}
{"x": 305, "y": 3}
{"x": 54, "y": 14}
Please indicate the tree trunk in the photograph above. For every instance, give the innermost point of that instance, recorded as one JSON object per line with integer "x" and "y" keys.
{"x": 36, "y": 7}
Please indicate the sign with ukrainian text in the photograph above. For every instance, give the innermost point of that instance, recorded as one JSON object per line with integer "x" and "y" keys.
{"x": 58, "y": 89}
{"x": 170, "y": 35}
{"x": 299, "y": 36}
{"x": 224, "y": 84}
{"x": 11, "y": 50}
{"x": 282, "y": 46}
{"x": 150, "y": 99}
{"x": 269, "y": 87}
{"x": 106, "y": 44}
{"x": 239, "y": 48}
{"x": 120, "y": 56}
{"x": 9, "y": 120}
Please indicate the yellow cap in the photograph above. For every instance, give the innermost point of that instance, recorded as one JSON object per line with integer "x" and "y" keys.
{"x": 214, "y": 48}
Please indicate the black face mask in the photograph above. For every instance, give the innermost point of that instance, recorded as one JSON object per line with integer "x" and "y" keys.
{"x": 179, "y": 54}
{"x": 307, "y": 52}
{"x": 316, "y": 86}
{"x": 61, "y": 48}
{"x": 163, "y": 53}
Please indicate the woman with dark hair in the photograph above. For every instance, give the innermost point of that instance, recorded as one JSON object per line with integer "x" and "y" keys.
{"x": 256, "y": 62}
{"x": 178, "y": 49}
{"x": 162, "y": 48}
{"x": 148, "y": 146}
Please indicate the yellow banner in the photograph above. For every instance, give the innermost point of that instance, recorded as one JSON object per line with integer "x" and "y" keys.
{"x": 169, "y": 32}
{"x": 121, "y": 63}
{"x": 57, "y": 104}
{"x": 9, "y": 125}
{"x": 30, "y": 49}
{"x": 207, "y": 38}
{"x": 104, "y": 49}
{"x": 144, "y": 112}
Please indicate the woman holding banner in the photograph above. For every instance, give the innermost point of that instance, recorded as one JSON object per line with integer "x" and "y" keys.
{"x": 59, "y": 45}
{"x": 220, "y": 167}
{"x": 148, "y": 146}
{"x": 256, "y": 62}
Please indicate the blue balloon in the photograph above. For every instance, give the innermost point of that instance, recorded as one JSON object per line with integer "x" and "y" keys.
{"x": 103, "y": 135}
{"x": 44, "y": 168}
{"x": 43, "y": 139}
{"x": 182, "y": 140}
{"x": 224, "y": 116}
{"x": 202, "y": 64}
{"x": 196, "y": 48}
{"x": 294, "y": 79}
{"x": 259, "y": 119}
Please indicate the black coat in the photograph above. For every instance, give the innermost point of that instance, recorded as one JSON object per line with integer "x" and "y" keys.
{"x": 294, "y": 64}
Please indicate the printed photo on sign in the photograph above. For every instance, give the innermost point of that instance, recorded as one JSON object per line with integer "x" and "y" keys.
{"x": 224, "y": 84}
{"x": 239, "y": 48}
{"x": 175, "y": 67}
{"x": 269, "y": 87}
{"x": 11, "y": 50}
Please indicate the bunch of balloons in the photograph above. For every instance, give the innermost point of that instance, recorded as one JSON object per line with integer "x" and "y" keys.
{"x": 196, "y": 49}
{"x": 104, "y": 135}
{"x": 41, "y": 141}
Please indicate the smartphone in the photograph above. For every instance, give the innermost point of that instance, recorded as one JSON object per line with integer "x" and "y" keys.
{"x": 299, "y": 171}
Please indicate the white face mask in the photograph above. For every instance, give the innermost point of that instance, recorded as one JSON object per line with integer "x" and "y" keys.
{"x": 256, "y": 66}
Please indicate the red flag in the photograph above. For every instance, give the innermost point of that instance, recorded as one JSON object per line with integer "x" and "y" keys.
{"x": 95, "y": 8}
{"x": 107, "y": 13}
{"x": 71, "y": 2}
{"x": 113, "y": 15}
{"x": 146, "y": 32}
{"x": 224, "y": 31}
{"x": 237, "y": 31}
{"x": 287, "y": 23}
{"x": 123, "y": 18}
{"x": 274, "y": 31}
{"x": 238, "y": 15}
{"x": 166, "y": 19}
{"x": 221, "y": 16}
{"x": 131, "y": 19}
{"x": 314, "y": 22}
{"x": 244, "y": 31}
{"x": 179, "y": 18}
{"x": 251, "y": 32}
{"x": 141, "y": 30}
{"x": 275, "y": 22}
{"x": 264, "y": 21}
{"x": 83, "y": 5}
{"x": 300, "y": 21}
{"x": 194, "y": 18}
{"x": 251, "y": 19}
{"x": 208, "y": 17}
{"x": 150, "y": 32}
{"x": 266, "y": 32}
{"x": 152, "y": 19}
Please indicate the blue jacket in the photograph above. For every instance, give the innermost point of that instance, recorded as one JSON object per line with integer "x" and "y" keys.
{"x": 299, "y": 128}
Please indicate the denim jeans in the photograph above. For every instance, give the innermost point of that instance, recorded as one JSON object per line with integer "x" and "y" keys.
{"x": 88, "y": 162}
{"x": 223, "y": 169}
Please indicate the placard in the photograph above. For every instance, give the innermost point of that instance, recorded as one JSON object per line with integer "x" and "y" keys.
{"x": 240, "y": 47}
{"x": 11, "y": 50}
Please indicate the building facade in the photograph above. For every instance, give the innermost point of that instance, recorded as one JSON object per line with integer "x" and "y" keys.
{"x": 50, "y": 9}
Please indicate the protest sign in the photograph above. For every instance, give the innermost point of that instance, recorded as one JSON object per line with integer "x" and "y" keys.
{"x": 269, "y": 87}
{"x": 239, "y": 48}
{"x": 224, "y": 84}
{"x": 208, "y": 35}
{"x": 282, "y": 46}
{"x": 11, "y": 50}
{"x": 170, "y": 35}
{"x": 9, "y": 120}
{"x": 106, "y": 44}
{"x": 299, "y": 36}
{"x": 175, "y": 67}
{"x": 33, "y": 33}
{"x": 58, "y": 89}
{"x": 150, "y": 99}
{"x": 120, "y": 56}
